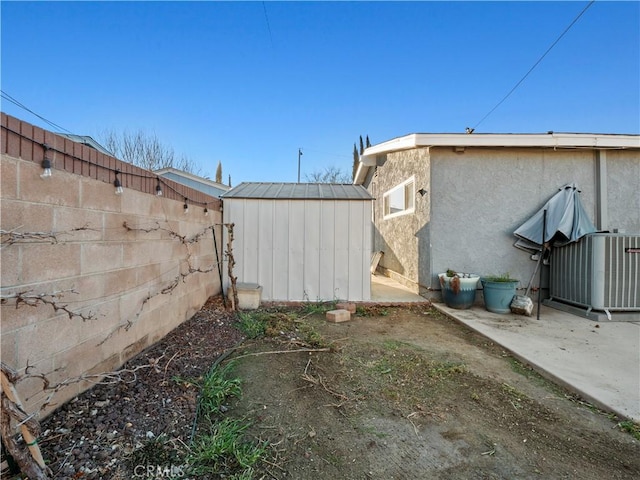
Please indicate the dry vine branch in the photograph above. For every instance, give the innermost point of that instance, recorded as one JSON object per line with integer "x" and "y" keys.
{"x": 34, "y": 299}
{"x": 9, "y": 237}
{"x": 14, "y": 237}
{"x": 172, "y": 233}
{"x": 230, "y": 264}
{"x": 104, "y": 378}
{"x": 255, "y": 354}
{"x": 29, "y": 459}
{"x": 319, "y": 381}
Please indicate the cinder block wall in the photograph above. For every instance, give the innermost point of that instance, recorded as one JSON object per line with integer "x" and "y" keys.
{"x": 90, "y": 278}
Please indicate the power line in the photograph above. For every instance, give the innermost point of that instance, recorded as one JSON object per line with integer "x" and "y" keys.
{"x": 470, "y": 130}
{"x": 8, "y": 97}
{"x": 266, "y": 17}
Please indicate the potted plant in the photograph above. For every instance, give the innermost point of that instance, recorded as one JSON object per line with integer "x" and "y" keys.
{"x": 458, "y": 289}
{"x": 498, "y": 292}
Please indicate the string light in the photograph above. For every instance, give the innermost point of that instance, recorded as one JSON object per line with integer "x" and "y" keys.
{"x": 46, "y": 164}
{"x": 117, "y": 184}
{"x": 46, "y": 169}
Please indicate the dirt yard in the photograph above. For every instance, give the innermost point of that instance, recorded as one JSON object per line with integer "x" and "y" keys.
{"x": 407, "y": 394}
{"x": 395, "y": 393}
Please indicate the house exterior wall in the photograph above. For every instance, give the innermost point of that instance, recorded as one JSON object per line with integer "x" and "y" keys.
{"x": 404, "y": 238}
{"x": 479, "y": 196}
{"x": 302, "y": 250}
{"x": 623, "y": 191}
{"x": 65, "y": 244}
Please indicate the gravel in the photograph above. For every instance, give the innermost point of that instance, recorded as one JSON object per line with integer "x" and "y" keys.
{"x": 100, "y": 433}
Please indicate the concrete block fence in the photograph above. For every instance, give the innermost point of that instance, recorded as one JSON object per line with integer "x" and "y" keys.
{"x": 90, "y": 278}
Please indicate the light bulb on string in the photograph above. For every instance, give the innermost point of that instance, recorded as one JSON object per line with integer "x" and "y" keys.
{"x": 158, "y": 189}
{"x": 46, "y": 169}
{"x": 118, "y": 184}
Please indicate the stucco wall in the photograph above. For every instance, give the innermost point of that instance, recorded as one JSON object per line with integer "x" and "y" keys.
{"x": 623, "y": 188}
{"x": 479, "y": 196}
{"x": 64, "y": 240}
{"x": 405, "y": 238}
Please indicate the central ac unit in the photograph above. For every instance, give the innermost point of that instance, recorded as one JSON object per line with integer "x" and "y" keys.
{"x": 599, "y": 272}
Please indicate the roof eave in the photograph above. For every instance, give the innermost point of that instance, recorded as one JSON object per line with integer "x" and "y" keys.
{"x": 513, "y": 140}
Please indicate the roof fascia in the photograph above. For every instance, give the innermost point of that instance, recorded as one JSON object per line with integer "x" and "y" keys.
{"x": 190, "y": 176}
{"x": 541, "y": 140}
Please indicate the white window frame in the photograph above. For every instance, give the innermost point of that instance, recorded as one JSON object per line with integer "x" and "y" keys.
{"x": 408, "y": 198}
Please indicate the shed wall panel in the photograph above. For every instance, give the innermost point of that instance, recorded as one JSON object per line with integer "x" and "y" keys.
{"x": 296, "y": 250}
{"x": 356, "y": 243}
{"x": 281, "y": 260}
{"x": 251, "y": 232}
{"x": 314, "y": 250}
{"x": 265, "y": 247}
{"x": 341, "y": 250}
{"x": 327, "y": 247}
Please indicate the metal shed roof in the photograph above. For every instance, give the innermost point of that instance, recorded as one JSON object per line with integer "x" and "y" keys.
{"x": 298, "y": 191}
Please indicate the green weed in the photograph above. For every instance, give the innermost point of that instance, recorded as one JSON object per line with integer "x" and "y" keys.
{"x": 318, "y": 307}
{"x": 224, "y": 450}
{"x": 630, "y": 427}
{"x": 253, "y": 325}
{"x": 217, "y": 388}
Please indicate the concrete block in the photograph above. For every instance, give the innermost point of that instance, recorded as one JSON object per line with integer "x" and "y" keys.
{"x": 249, "y": 295}
{"x": 338, "y": 316}
{"x": 350, "y": 307}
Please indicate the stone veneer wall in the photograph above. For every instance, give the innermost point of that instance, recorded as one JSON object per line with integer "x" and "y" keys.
{"x": 89, "y": 278}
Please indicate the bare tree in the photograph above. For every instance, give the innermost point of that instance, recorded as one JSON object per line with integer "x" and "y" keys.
{"x": 145, "y": 150}
{"x": 328, "y": 175}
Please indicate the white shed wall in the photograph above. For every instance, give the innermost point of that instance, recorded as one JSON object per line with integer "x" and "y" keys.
{"x": 301, "y": 250}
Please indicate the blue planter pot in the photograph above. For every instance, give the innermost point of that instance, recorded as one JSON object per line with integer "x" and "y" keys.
{"x": 498, "y": 295}
{"x": 459, "y": 293}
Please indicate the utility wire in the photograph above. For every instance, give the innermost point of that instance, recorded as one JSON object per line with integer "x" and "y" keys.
{"x": 534, "y": 66}
{"x": 266, "y": 17}
{"x": 8, "y": 97}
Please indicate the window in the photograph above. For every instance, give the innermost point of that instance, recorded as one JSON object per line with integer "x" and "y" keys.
{"x": 400, "y": 199}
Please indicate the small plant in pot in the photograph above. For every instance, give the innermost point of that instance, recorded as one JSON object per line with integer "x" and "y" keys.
{"x": 458, "y": 289}
{"x": 498, "y": 292}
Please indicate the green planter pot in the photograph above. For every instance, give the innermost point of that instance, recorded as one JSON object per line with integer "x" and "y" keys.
{"x": 498, "y": 295}
{"x": 460, "y": 295}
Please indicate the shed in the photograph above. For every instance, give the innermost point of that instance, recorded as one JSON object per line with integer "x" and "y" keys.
{"x": 302, "y": 241}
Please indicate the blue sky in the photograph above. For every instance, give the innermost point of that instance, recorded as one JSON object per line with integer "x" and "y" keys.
{"x": 248, "y": 83}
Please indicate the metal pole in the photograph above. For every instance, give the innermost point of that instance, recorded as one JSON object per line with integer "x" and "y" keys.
{"x": 299, "y": 155}
{"x": 215, "y": 247}
{"x": 544, "y": 234}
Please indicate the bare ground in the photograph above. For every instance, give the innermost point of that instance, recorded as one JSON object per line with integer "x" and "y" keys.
{"x": 401, "y": 393}
{"x": 414, "y": 395}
